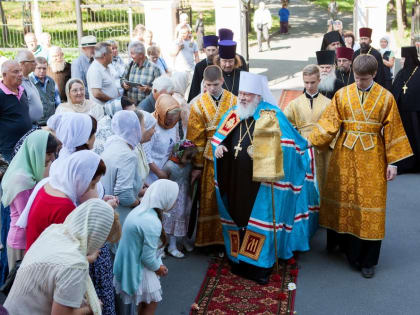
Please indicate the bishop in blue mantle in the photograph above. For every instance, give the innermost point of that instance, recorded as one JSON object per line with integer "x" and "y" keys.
{"x": 261, "y": 161}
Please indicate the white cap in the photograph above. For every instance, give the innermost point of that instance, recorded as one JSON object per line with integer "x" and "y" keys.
{"x": 256, "y": 84}
{"x": 88, "y": 41}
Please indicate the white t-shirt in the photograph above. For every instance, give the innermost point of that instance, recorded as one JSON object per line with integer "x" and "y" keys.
{"x": 66, "y": 286}
{"x": 185, "y": 60}
{"x": 99, "y": 77}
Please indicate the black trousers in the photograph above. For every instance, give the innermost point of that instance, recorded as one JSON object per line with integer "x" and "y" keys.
{"x": 360, "y": 253}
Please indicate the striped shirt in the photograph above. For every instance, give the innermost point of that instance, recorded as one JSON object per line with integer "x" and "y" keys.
{"x": 145, "y": 75}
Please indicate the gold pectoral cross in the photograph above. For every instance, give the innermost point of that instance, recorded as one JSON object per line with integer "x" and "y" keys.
{"x": 237, "y": 149}
{"x": 405, "y": 88}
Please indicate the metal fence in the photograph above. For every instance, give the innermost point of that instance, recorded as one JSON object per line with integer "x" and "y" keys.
{"x": 105, "y": 19}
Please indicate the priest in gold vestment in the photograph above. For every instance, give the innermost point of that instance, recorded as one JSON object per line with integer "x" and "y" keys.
{"x": 372, "y": 139}
{"x": 304, "y": 112}
{"x": 204, "y": 118}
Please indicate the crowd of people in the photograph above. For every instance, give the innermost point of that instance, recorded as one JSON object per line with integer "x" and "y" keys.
{"x": 108, "y": 165}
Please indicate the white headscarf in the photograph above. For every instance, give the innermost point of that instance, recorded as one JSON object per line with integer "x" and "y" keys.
{"x": 71, "y": 175}
{"x": 126, "y": 125}
{"x": 162, "y": 195}
{"x": 73, "y": 130}
{"x": 84, "y": 231}
{"x": 54, "y": 121}
{"x": 387, "y": 48}
{"x": 256, "y": 84}
{"x": 180, "y": 81}
{"x": 149, "y": 120}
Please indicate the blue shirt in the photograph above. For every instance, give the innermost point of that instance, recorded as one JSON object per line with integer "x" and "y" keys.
{"x": 284, "y": 15}
{"x": 79, "y": 69}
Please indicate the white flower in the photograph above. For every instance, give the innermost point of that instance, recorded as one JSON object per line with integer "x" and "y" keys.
{"x": 291, "y": 286}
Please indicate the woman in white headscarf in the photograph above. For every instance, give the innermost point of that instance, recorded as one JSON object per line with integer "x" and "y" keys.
{"x": 77, "y": 103}
{"x": 136, "y": 280}
{"x": 56, "y": 196}
{"x": 54, "y": 275}
{"x": 181, "y": 82}
{"x": 388, "y": 58}
{"x": 76, "y": 132}
{"x": 104, "y": 125}
{"x": 122, "y": 177}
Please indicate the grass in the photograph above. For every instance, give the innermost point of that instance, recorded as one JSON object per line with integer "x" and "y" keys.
{"x": 343, "y": 5}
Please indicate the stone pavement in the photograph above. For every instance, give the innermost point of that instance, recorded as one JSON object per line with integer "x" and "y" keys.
{"x": 290, "y": 53}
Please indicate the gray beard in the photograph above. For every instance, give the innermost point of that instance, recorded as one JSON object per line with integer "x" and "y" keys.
{"x": 327, "y": 82}
{"x": 57, "y": 66}
{"x": 248, "y": 111}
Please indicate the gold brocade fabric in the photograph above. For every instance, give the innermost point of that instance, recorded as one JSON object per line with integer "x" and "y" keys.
{"x": 354, "y": 196}
{"x": 303, "y": 118}
{"x": 267, "y": 153}
{"x": 202, "y": 124}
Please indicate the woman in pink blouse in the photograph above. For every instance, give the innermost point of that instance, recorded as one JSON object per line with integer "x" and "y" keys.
{"x": 27, "y": 168}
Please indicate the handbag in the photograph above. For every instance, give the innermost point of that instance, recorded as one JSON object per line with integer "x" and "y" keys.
{"x": 260, "y": 26}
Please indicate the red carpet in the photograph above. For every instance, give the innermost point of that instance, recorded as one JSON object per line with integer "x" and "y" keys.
{"x": 287, "y": 96}
{"x": 225, "y": 293}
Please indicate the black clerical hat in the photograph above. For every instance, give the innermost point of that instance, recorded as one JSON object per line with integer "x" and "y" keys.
{"x": 409, "y": 52}
{"x": 227, "y": 49}
{"x": 325, "y": 57}
{"x": 210, "y": 40}
{"x": 331, "y": 37}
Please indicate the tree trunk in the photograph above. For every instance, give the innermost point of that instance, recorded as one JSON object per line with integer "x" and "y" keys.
{"x": 399, "y": 19}
{"x": 404, "y": 13}
{"x": 5, "y": 29}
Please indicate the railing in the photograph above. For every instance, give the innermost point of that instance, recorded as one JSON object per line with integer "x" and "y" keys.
{"x": 106, "y": 20}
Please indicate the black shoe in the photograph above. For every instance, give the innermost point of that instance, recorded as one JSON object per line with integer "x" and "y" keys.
{"x": 368, "y": 272}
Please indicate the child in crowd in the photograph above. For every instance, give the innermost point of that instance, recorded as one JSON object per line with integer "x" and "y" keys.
{"x": 137, "y": 280}
{"x": 179, "y": 169}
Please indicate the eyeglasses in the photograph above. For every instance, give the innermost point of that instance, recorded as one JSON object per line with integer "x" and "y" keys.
{"x": 31, "y": 61}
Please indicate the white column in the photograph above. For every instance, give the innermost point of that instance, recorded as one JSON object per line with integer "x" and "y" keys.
{"x": 372, "y": 14}
{"x": 36, "y": 19}
{"x": 228, "y": 15}
{"x": 160, "y": 18}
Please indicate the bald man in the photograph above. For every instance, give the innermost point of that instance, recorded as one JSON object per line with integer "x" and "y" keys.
{"x": 14, "y": 112}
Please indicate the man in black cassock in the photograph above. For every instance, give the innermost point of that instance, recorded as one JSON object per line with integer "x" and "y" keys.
{"x": 227, "y": 34}
{"x": 365, "y": 40}
{"x": 332, "y": 40}
{"x": 344, "y": 60}
{"x": 210, "y": 44}
{"x": 229, "y": 62}
{"x": 329, "y": 82}
{"x": 406, "y": 92}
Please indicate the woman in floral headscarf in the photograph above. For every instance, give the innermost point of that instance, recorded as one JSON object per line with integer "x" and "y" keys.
{"x": 179, "y": 169}
{"x": 159, "y": 148}
{"x": 77, "y": 103}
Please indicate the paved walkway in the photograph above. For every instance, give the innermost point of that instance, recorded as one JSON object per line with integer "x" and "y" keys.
{"x": 326, "y": 284}
{"x": 290, "y": 53}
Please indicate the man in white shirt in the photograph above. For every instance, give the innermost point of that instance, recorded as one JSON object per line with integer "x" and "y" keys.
{"x": 99, "y": 77}
{"x": 262, "y": 24}
{"x": 185, "y": 52}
